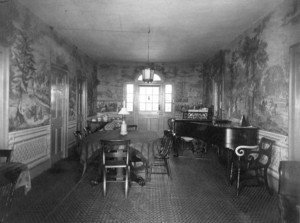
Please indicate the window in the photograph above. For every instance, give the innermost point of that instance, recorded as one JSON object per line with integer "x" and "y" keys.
{"x": 149, "y": 98}
{"x": 168, "y": 98}
{"x": 155, "y": 78}
{"x": 129, "y": 97}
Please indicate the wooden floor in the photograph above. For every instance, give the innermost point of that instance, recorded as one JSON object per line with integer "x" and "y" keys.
{"x": 197, "y": 192}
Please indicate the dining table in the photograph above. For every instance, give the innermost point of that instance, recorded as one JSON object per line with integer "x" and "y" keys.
{"x": 143, "y": 144}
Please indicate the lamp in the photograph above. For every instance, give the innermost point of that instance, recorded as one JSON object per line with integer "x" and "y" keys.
{"x": 123, "y": 112}
{"x": 148, "y": 73}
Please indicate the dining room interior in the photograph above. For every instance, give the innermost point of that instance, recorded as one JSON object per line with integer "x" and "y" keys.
{"x": 192, "y": 107}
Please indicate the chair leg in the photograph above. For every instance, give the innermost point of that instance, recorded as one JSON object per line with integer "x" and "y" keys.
{"x": 127, "y": 181}
{"x": 104, "y": 182}
{"x": 231, "y": 174}
{"x": 238, "y": 181}
{"x": 168, "y": 167}
{"x": 266, "y": 181}
{"x": 84, "y": 169}
{"x": 257, "y": 177}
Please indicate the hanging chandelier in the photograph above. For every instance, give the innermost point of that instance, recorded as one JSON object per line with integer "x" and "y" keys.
{"x": 148, "y": 73}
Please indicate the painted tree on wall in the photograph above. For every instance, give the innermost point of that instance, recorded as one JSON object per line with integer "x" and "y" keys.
{"x": 29, "y": 104}
{"x": 254, "y": 57}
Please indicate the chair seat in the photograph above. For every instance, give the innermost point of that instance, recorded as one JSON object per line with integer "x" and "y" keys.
{"x": 187, "y": 139}
{"x": 115, "y": 164}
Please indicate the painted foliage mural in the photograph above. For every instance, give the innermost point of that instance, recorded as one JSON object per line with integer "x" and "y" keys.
{"x": 257, "y": 70}
{"x": 186, "y": 78}
{"x": 33, "y": 48}
{"x": 29, "y": 103}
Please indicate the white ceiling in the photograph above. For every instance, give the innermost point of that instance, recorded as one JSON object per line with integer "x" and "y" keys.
{"x": 180, "y": 30}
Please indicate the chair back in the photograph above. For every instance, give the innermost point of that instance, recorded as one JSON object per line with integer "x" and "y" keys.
{"x": 6, "y": 154}
{"x": 167, "y": 143}
{"x": 171, "y": 123}
{"x": 78, "y": 135}
{"x": 265, "y": 151}
{"x": 115, "y": 150}
{"x": 87, "y": 130}
{"x": 289, "y": 178}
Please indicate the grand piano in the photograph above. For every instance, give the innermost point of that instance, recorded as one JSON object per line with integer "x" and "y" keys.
{"x": 223, "y": 134}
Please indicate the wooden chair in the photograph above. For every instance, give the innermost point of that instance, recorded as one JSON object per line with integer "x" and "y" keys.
{"x": 87, "y": 130}
{"x": 78, "y": 138}
{"x": 161, "y": 156}
{"x": 171, "y": 124}
{"x": 289, "y": 191}
{"x": 6, "y": 187}
{"x": 251, "y": 162}
{"x": 115, "y": 154}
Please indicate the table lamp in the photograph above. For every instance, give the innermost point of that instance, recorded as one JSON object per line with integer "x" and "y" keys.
{"x": 123, "y": 112}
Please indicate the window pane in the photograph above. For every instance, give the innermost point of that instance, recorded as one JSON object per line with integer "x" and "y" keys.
{"x": 155, "y": 78}
{"x": 168, "y": 89}
{"x": 155, "y": 98}
{"x": 129, "y": 97}
{"x": 142, "y": 106}
{"x": 143, "y": 98}
{"x": 155, "y": 107}
{"x": 149, "y": 107}
{"x": 149, "y": 90}
{"x": 155, "y": 90}
{"x": 129, "y": 106}
{"x": 130, "y": 88}
{"x": 142, "y": 90}
{"x": 168, "y": 98}
{"x": 168, "y": 107}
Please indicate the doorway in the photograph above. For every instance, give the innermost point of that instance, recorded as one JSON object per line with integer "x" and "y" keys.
{"x": 153, "y": 104}
{"x": 4, "y": 96}
{"x": 149, "y": 107}
{"x": 58, "y": 113}
{"x": 294, "y": 100}
{"x": 81, "y": 104}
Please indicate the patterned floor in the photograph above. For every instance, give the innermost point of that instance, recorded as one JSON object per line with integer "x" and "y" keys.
{"x": 197, "y": 192}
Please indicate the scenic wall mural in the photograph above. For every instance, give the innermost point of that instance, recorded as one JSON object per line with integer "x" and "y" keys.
{"x": 186, "y": 78}
{"x": 34, "y": 47}
{"x": 256, "y": 70}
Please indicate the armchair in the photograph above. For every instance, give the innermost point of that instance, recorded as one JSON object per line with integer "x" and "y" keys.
{"x": 289, "y": 191}
{"x": 251, "y": 162}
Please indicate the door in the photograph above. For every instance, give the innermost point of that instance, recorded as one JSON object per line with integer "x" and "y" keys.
{"x": 294, "y": 102}
{"x": 58, "y": 114}
{"x": 4, "y": 96}
{"x": 80, "y": 107}
{"x": 149, "y": 107}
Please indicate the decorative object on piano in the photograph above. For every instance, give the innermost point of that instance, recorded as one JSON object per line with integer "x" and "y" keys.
{"x": 196, "y": 114}
{"x": 123, "y": 112}
{"x": 244, "y": 122}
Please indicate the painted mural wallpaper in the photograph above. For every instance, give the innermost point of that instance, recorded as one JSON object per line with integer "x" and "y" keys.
{"x": 34, "y": 46}
{"x": 186, "y": 78}
{"x": 256, "y": 70}
{"x": 29, "y": 103}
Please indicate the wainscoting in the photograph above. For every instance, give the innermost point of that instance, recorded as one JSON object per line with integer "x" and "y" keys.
{"x": 32, "y": 147}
